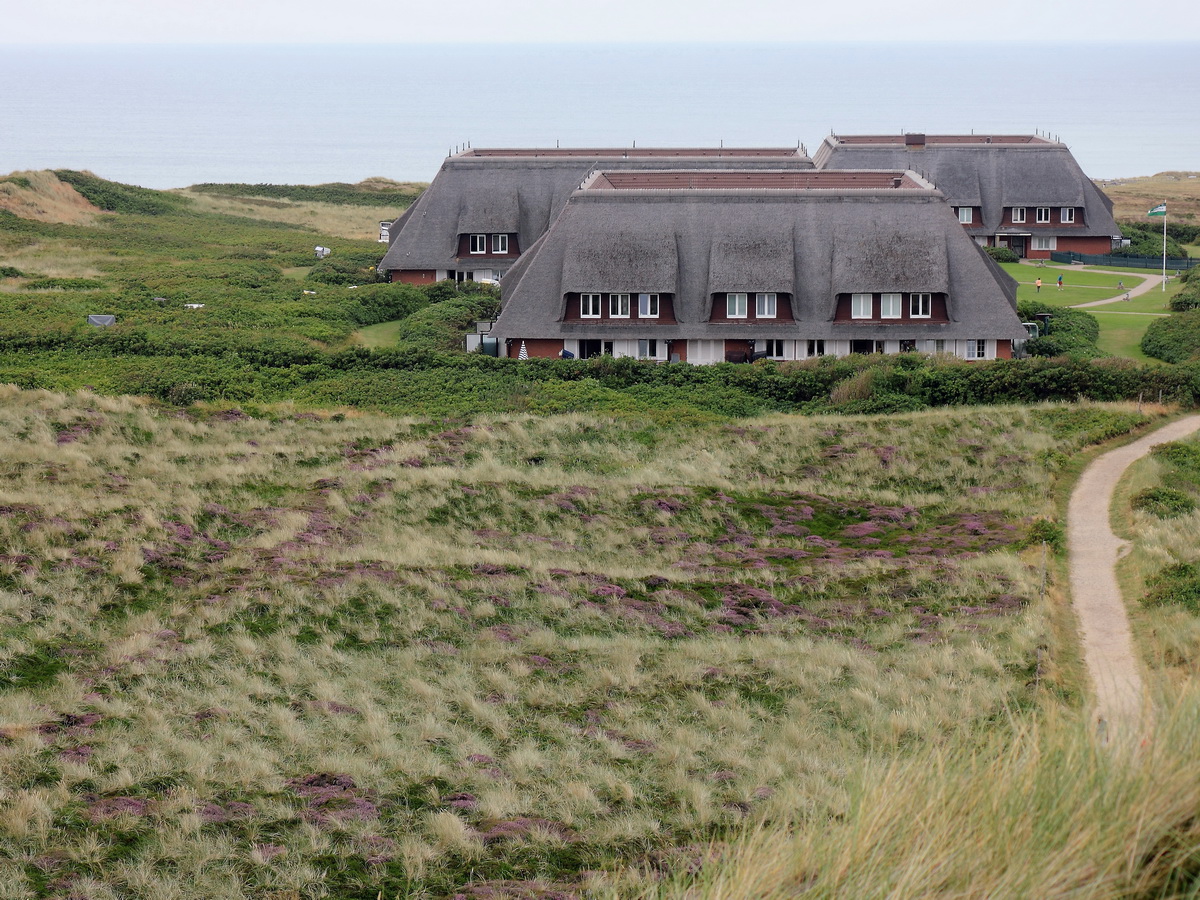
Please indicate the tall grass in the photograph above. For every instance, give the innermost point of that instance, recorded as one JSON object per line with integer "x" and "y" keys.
{"x": 247, "y": 653}
{"x": 1042, "y": 811}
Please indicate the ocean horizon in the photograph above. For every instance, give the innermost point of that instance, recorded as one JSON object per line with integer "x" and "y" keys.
{"x": 171, "y": 116}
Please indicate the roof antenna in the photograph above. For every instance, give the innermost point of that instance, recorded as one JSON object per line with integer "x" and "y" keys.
{"x": 556, "y": 144}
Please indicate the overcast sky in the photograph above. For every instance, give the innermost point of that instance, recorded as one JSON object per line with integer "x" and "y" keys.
{"x": 512, "y": 21}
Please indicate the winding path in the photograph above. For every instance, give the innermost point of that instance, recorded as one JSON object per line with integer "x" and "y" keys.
{"x": 1112, "y": 661}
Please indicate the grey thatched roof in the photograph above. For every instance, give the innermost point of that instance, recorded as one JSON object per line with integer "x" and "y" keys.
{"x": 812, "y": 244}
{"x": 1025, "y": 171}
{"x": 484, "y": 191}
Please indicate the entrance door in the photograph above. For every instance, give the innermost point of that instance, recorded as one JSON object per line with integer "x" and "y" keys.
{"x": 1017, "y": 246}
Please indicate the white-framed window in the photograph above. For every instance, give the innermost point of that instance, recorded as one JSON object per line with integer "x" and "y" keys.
{"x": 1066, "y": 215}
{"x": 889, "y": 306}
{"x": 966, "y": 214}
{"x": 499, "y": 243}
{"x": 920, "y": 306}
{"x": 1043, "y": 215}
{"x": 648, "y": 306}
{"x": 479, "y": 243}
{"x": 589, "y": 306}
{"x": 764, "y": 305}
{"x": 860, "y": 306}
{"x": 618, "y": 306}
{"x": 1018, "y": 215}
{"x": 773, "y": 348}
{"x": 977, "y": 349}
{"x": 939, "y": 345}
{"x": 647, "y": 348}
{"x": 816, "y": 347}
{"x": 1045, "y": 243}
{"x": 735, "y": 306}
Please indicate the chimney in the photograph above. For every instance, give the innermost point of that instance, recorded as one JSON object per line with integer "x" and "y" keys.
{"x": 914, "y": 142}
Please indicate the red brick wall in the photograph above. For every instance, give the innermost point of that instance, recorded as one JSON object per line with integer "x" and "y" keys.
{"x": 1090, "y": 245}
{"x": 783, "y": 311}
{"x": 1003, "y": 349}
{"x": 413, "y": 276}
{"x": 542, "y": 348}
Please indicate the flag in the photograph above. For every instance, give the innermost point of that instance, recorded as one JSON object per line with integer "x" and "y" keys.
{"x": 523, "y": 353}
{"x": 1160, "y": 210}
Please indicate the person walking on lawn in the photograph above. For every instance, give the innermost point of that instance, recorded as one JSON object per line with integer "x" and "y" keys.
{"x": 1060, "y": 282}
{"x": 1038, "y": 284}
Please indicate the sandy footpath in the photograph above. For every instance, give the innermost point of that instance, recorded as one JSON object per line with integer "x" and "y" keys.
{"x": 1112, "y": 662}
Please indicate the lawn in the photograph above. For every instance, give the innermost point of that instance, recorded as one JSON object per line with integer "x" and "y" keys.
{"x": 376, "y": 337}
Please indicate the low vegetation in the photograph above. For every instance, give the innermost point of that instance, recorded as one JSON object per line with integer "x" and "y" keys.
{"x": 545, "y": 628}
{"x": 252, "y": 652}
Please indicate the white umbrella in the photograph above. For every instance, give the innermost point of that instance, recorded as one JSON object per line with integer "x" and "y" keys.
{"x": 522, "y": 353}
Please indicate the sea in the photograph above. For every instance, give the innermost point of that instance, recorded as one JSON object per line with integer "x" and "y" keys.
{"x": 171, "y": 116}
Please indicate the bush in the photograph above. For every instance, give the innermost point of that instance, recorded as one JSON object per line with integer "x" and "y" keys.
{"x": 1147, "y": 240}
{"x": 1002, "y": 254}
{"x": 347, "y": 267}
{"x": 1072, "y": 332}
{"x": 123, "y": 198}
{"x": 1176, "y": 585}
{"x": 1174, "y": 339}
{"x": 1166, "y": 503}
{"x": 367, "y": 194}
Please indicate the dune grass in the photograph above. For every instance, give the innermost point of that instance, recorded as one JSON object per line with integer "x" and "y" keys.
{"x": 1045, "y": 811}
{"x": 313, "y": 654}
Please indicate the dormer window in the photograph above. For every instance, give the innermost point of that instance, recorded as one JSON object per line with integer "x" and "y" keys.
{"x": 966, "y": 215}
{"x": 1067, "y": 215}
{"x": 1043, "y": 215}
{"x": 618, "y": 306}
{"x": 648, "y": 306}
{"x": 1018, "y": 215}
{"x": 589, "y": 306}
{"x": 735, "y": 306}
{"x": 889, "y": 306}
{"x": 764, "y": 305}
{"x": 860, "y": 306}
{"x": 920, "y": 306}
{"x": 499, "y": 243}
{"x": 479, "y": 243}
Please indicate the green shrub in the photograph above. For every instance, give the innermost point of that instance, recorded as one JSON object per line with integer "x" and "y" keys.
{"x": 1072, "y": 332}
{"x": 1048, "y": 532}
{"x": 11, "y": 272}
{"x": 63, "y": 284}
{"x": 1002, "y": 254}
{"x": 1183, "y": 455}
{"x": 1176, "y": 585}
{"x": 366, "y": 194}
{"x": 1188, "y": 297}
{"x": 1174, "y": 339}
{"x": 1146, "y": 239}
{"x": 347, "y": 266}
{"x": 123, "y": 198}
{"x": 1166, "y": 503}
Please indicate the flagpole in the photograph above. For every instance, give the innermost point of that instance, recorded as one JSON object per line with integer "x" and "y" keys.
{"x": 1164, "y": 281}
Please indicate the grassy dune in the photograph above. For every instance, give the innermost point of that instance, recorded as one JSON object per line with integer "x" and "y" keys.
{"x": 302, "y": 656}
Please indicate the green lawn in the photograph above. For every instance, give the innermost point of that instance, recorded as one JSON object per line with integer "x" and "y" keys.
{"x": 1072, "y": 275}
{"x": 1122, "y": 324}
{"x": 375, "y": 337}
{"x": 1121, "y": 332}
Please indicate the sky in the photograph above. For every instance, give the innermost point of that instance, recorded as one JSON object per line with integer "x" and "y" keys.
{"x": 541, "y": 21}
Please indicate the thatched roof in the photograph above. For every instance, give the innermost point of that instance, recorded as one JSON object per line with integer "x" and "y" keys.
{"x": 811, "y": 243}
{"x": 984, "y": 171}
{"x": 520, "y": 191}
